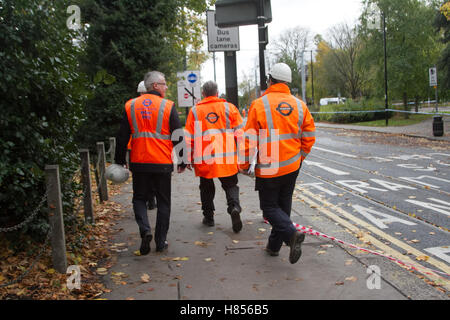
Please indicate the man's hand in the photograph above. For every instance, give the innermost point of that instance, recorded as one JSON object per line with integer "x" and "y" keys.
{"x": 181, "y": 169}
{"x": 189, "y": 167}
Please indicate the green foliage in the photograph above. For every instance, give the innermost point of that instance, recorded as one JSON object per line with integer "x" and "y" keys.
{"x": 43, "y": 94}
{"x": 412, "y": 47}
{"x": 124, "y": 40}
{"x": 356, "y": 115}
{"x": 351, "y": 61}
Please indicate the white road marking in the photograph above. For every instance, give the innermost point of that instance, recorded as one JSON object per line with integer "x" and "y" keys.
{"x": 380, "y": 223}
{"x": 319, "y": 187}
{"x": 331, "y": 170}
{"x": 335, "y": 152}
{"x": 432, "y": 206}
{"x": 440, "y": 252}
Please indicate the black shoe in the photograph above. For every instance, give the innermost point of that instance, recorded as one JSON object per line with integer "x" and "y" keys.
{"x": 236, "y": 219}
{"x": 208, "y": 221}
{"x": 145, "y": 244}
{"x": 272, "y": 253}
{"x": 296, "y": 247}
{"x": 163, "y": 248}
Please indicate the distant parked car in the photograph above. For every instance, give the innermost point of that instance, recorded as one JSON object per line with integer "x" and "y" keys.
{"x": 327, "y": 101}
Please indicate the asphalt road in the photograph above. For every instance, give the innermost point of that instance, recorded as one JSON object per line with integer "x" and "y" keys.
{"x": 395, "y": 187}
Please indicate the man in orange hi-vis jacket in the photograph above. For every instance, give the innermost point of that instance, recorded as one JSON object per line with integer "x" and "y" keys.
{"x": 151, "y": 120}
{"x": 151, "y": 202}
{"x": 210, "y": 137}
{"x": 281, "y": 130}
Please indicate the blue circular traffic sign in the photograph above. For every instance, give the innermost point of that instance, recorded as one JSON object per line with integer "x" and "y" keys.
{"x": 192, "y": 78}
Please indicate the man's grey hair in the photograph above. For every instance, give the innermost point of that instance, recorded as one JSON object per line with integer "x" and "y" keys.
{"x": 209, "y": 88}
{"x": 153, "y": 77}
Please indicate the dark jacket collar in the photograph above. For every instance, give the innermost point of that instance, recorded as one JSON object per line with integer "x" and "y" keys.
{"x": 156, "y": 93}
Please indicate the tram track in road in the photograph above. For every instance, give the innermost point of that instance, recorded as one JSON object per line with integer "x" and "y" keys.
{"x": 374, "y": 201}
{"x": 374, "y": 172}
{"x": 373, "y": 236}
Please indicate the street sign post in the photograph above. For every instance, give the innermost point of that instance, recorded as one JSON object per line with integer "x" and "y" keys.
{"x": 433, "y": 83}
{"x": 189, "y": 88}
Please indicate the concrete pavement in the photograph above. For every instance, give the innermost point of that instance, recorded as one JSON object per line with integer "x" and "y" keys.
{"x": 213, "y": 263}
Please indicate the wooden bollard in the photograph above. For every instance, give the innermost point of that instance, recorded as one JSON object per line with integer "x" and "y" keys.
{"x": 87, "y": 187}
{"x": 56, "y": 219}
{"x": 103, "y": 186}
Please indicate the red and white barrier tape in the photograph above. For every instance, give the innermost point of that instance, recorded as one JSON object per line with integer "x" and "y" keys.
{"x": 313, "y": 232}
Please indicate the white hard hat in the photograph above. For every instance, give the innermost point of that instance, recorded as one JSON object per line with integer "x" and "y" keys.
{"x": 141, "y": 87}
{"x": 117, "y": 173}
{"x": 282, "y": 72}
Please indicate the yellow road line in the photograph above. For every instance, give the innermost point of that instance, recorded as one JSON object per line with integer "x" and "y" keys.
{"x": 385, "y": 248}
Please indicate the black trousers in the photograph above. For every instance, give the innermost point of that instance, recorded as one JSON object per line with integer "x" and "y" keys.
{"x": 275, "y": 198}
{"x": 160, "y": 184}
{"x": 208, "y": 192}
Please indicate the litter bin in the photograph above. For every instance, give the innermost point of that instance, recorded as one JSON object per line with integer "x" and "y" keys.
{"x": 438, "y": 126}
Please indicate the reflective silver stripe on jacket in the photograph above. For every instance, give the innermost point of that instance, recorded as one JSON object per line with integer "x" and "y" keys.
{"x": 162, "y": 108}
{"x": 146, "y": 134}
{"x": 268, "y": 112}
{"x": 308, "y": 134}
{"x": 194, "y": 113}
{"x": 215, "y": 156}
{"x": 227, "y": 115}
{"x": 133, "y": 117}
{"x": 304, "y": 134}
{"x": 281, "y": 164}
{"x": 151, "y": 135}
{"x": 300, "y": 117}
{"x": 279, "y": 137}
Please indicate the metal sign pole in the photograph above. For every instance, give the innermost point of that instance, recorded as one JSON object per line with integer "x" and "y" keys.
{"x": 385, "y": 71}
{"x": 214, "y": 61}
{"x": 436, "y": 97}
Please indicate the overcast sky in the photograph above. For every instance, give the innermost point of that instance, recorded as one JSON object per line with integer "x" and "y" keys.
{"x": 317, "y": 15}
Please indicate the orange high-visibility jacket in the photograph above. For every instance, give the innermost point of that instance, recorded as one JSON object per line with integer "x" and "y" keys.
{"x": 281, "y": 129}
{"x": 210, "y": 137}
{"x": 148, "y": 116}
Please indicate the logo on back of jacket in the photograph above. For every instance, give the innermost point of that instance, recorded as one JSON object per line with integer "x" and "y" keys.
{"x": 212, "y": 117}
{"x": 285, "y": 109}
{"x": 146, "y": 112}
